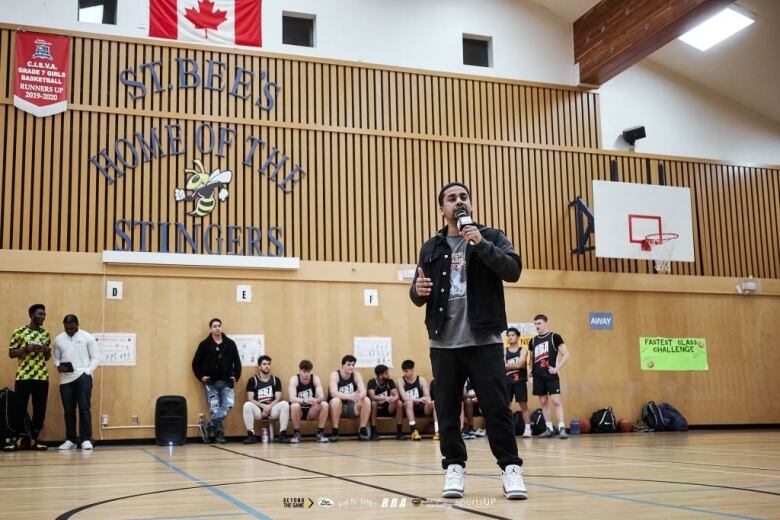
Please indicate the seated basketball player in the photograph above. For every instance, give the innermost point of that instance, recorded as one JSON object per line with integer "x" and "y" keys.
{"x": 264, "y": 401}
{"x": 348, "y": 398}
{"x": 307, "y": 401}
{"x": 435, "y": 418}
{"x": 416, "y": 396}
{"x": 385, "y": 401}
{"x": 470, "y": 409}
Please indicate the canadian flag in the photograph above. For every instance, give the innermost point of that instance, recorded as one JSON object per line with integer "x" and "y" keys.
{"x": 221, "y": 22}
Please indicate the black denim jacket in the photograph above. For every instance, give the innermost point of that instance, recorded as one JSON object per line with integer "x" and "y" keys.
{"x": 488, "y": 263}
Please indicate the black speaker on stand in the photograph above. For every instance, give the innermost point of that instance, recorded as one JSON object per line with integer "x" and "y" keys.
{"x": 170, "y": 420}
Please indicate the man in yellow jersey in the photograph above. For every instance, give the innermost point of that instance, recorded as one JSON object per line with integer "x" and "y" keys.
{"x": 30, "y": 346}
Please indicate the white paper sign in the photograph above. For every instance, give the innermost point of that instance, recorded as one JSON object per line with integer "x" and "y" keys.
{"x": 244, "y": 293}
{"x": 526, "y": 329}
{"x": 371, "y": 352}
{"x": 370, "y": 297}
{"x": 116, "y": 348}
{"x": 250, "y": 347}
{"x": 114, "y": 290}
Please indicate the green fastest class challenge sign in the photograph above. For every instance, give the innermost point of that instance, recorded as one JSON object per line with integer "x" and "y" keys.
{"x": 673, "y": 353}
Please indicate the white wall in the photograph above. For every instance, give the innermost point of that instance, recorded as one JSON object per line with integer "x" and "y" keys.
{"x": 529, "y": 43}
{"x": 683, "y": 118}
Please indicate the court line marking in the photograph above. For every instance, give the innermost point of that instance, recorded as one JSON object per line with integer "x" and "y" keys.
{"x": 648, "y": 463}
{"x": 578, "y": 491}
{"x": 365, "y": 484}
{"x": 69, "y": 514}
{"x": 201, "y": 484}
{"x": 185, "y": 517}
{"x": 221, "y": 494}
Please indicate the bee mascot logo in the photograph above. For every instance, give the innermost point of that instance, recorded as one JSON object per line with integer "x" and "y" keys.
{"x": 203, "y": 187}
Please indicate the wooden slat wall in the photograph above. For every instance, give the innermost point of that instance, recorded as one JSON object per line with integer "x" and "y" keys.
{"x": 376, "y": 143}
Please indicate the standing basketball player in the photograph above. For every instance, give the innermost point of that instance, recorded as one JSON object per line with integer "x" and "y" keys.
{"x": 547, "y": 365}
{"x": 307, "y": 401}
{"x": 459, "y": 280}
{"x": 517, "y": 375}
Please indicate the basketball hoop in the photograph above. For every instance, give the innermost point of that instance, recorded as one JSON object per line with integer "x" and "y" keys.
{"x": 663, "y": 245}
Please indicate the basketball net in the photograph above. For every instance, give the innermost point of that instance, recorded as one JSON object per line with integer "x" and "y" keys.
{"x": 662, "y": 244}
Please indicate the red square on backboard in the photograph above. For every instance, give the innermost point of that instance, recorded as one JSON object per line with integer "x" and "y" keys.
{"x": 639, "y": 226}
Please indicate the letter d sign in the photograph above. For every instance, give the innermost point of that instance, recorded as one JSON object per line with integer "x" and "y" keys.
{"x": 113, "y": 290}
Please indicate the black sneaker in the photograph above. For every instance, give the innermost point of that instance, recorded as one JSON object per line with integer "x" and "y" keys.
{"x": 283, "y": 438}
{"x": 334, "y": 437}
{"x": 251, "y": 439}
{"x": 400, "y": 436}
{"x": 374, "y": 435}
{"x": 364, "y": 436}
{"x": 35, "y": 444}
{"x": 16, "y": 445}
{"x": 220, "y": 438}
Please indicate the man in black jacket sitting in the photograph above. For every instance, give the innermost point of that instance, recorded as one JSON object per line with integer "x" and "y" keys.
{"x": 217, "y": 365}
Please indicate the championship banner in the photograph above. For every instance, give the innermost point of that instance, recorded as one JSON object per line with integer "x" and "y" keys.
{"x": 679, "y": 354}
{"x": 41, "y": 73}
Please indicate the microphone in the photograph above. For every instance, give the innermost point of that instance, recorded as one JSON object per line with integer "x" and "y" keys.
{"x": 463, "y": 218}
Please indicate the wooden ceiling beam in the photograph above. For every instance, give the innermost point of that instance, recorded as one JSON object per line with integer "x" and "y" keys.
{"x": 616, "y": 34}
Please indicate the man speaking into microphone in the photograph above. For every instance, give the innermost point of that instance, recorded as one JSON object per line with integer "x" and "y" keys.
{"x": 459, "y": 279}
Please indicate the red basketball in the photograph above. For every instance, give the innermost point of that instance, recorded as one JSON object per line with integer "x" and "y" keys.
{"x": 625, "y": 426}
{"x": 584, "y": 426}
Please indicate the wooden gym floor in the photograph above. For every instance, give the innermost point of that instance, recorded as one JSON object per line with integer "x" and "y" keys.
{"x": 724, "y": 474}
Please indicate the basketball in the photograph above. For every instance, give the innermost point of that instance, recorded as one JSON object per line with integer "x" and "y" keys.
{"x": 625, "y": 426}
{"x": 584, "y": 426}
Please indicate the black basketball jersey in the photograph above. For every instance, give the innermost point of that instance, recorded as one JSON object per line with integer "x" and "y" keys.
{"x": 521, "y": 374}
{"x": 264, "y": 390}
{"x": 305, "y": 391}
{"x": 347, "y": 386}
{"x": 380, "y": 390}
{"x": 544, "y": 350}
{"x": 413, "y": 390}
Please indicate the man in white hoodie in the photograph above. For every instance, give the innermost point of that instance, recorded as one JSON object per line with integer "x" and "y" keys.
{"x": 76, "y": 356}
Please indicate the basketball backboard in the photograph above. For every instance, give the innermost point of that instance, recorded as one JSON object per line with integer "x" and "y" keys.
{"x": 631, "y": 219}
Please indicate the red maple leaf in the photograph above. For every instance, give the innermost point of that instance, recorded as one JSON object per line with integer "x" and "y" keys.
{"x": 206, "y": 18}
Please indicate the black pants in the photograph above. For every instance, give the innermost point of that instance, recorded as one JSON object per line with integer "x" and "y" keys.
{"x": 484, "y": 366}
{"x": 39, "y": 391}
{"x": 78, "y": 393}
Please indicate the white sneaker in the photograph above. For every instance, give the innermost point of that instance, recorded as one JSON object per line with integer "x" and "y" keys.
{"x": 514, "y": 488}
{"x": 67, "y": 445}
{"x": 454, "y": 480}
{"x": 86, "y": 445}
{"x": 480, "y": 432}
{"x": 527, "y": 433}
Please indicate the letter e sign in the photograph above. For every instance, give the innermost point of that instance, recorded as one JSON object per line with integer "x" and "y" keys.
{"x": 244, "y": 293}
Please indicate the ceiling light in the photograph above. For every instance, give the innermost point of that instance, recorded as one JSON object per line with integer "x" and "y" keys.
{"x": 716, "y": 29}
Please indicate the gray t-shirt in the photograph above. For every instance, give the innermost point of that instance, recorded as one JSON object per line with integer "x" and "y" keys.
{"x": 456, "y": 331}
